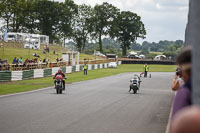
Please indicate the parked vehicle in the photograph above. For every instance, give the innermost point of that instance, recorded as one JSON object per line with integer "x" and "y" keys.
{"x": 111, "y": 56}
{"x": 160, "y": 57}
{"x": 98, "y": 53}
{"x": 112, "y": 65}
{"x": 32, "y": 43}
{"x": 133, "y": 56}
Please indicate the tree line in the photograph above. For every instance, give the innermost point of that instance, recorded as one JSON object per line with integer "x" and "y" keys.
{"x": 81, "y": 23}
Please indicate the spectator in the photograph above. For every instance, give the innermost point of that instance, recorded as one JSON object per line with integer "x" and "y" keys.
{"x": 47, "y": 48}
{"x": 146, "y": 69}
{"x": 57, "y": 59}
{"x": 61, "y": 59}
{"x": 26, "y": 62}
{"x": 39, "y": 63}
{"x": 47, "y": 61}
{"x": 17, "y": 60}
{"x": 36, "y": 55}
{"x": 183, "y": 95}
{"x": 187, "y": 121}
{"x": 20, "y": 60}
{"x": 177, "y": 81}
{"x": 44, "y": 60}
{"x": 14, "y": 61}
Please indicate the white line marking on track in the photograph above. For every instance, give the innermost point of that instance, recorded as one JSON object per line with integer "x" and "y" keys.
{"x": 20, "y": 93}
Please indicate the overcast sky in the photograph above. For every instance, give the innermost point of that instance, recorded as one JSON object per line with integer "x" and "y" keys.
{"x": 163, "y": 19}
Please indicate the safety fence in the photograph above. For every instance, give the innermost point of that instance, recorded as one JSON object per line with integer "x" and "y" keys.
{"x": 32, "y": 66}
{"x": 143, "y": 61}
{"x": 38, "y": 73}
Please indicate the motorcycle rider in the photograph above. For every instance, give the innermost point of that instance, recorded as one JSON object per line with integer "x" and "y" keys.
{"x": 138, "y": 79}
{"x": 63, "y": 75}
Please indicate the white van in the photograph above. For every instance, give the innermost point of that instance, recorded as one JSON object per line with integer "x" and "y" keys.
{"x": 32, "y": 43}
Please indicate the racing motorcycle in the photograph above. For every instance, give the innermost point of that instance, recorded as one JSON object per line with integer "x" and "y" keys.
{"x": 59, "y": 86}
{"x": 135, "y": 84}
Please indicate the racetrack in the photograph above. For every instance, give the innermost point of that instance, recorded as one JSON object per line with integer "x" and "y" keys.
{"x": 96, "y": 106}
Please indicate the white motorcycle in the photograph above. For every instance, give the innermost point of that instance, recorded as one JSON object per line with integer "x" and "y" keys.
{"x": 135, "y": 84}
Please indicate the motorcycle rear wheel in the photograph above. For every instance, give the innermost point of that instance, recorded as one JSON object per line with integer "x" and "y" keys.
{"x": 57, "y": 91}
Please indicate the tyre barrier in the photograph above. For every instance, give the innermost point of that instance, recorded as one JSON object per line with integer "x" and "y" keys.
{"x": 39, "y": 73}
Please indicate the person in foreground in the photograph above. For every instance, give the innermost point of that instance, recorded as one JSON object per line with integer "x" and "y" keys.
{"x": 183, "y": 95}
{"x": 187, "y": 121}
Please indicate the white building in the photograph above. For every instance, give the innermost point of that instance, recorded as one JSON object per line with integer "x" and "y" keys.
{"x": 160, "y": 57}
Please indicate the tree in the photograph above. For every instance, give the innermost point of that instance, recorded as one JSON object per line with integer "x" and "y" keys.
{"x": 80, "y": 26}
{"x": 145, "y": 51}
{"x": 104, "y": 15}
{"x": 30, "y": 19}
{"x": 48, "y": 18}
{"x": 69, "y": 9}
{"x": 129, "y": 28}
{"x": 171, "y": 51}
{"x": 6, "y": 9}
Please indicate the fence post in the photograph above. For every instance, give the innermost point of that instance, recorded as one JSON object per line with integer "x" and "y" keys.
{"x": 192, "y": 38}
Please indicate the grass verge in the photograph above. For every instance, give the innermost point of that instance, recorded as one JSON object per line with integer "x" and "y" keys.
{"x": 33, "y": 84}
{"x": 12, "y": 50}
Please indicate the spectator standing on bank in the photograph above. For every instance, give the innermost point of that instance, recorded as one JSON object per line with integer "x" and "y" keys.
{"x": 85, "y": 67}
{"x": 146, "y": 69}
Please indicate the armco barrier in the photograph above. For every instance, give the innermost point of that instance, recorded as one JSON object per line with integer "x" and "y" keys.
{"x": 93, "y": 67}
{"x": 38, "y": 73}
{"x": 55, "y": 70}
{"x": 5, "y": 76}
{"x": 89, "y": 67}
{"x": 148, "y": 62}
{"x": 77, "y": 68}
{"x": 69, "y": 69}
{"x": 96, "y": 66}
{"x": 73, "y": 68}
{"x": 63, "y": 69}
{"x": 100, "y": 66}
{"x": 105, "y": 65}
{"x": 47, "y": 72}
{"x": 16, "y": 75}
{"x": 81, "y": 68}
{"x": 27, "y": 74}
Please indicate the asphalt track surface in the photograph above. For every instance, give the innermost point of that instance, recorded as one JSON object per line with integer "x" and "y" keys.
{"x": 96, "y": 106}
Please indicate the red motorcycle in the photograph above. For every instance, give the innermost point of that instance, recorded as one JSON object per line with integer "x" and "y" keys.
{"x": 59, "y": 84}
